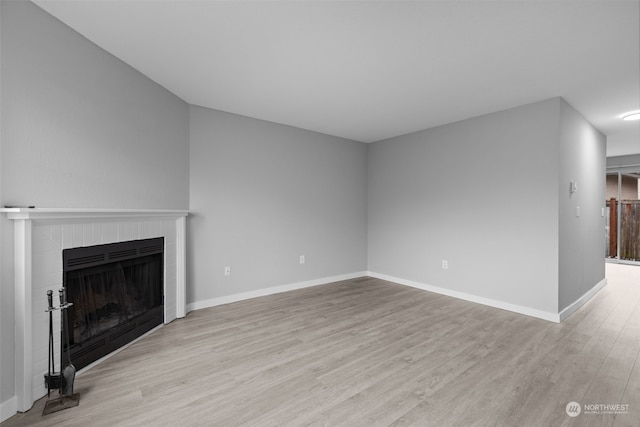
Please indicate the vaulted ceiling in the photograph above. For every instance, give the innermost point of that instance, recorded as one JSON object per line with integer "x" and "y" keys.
{"x": 371, "y": 70}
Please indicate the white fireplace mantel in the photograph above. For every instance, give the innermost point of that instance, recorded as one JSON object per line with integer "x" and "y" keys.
{"x": 80, "y": 213}
{"x": 40, "y": 234}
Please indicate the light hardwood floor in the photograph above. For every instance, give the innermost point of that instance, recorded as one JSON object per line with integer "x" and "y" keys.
{"x": 368, "y": 352}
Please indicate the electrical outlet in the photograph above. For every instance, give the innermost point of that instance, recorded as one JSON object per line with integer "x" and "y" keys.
{"x": 302, "y": 260}
{"x": 445, "y": 264}
{"x": 227, "y": 271}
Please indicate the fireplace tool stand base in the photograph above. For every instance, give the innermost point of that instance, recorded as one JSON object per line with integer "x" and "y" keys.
{"x": 65, "y": 378}
{"x": 60, "y": 403}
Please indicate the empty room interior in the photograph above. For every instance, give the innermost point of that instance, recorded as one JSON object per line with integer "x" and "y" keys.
{"x": 320, "y": 213}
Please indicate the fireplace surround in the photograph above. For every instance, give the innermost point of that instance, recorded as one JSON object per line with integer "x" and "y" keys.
{"x": 40, "y": 235}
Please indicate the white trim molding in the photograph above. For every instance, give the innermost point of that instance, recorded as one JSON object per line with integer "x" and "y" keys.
{"x": 181, "y": 266}
{"x": 23, "y": 320}
{"x": 528, "y": 311}
{"x": 552, "y": 317}
{"x": 271, "y": 291}
{"x": 40, "y": 235}
{"x": 568, "y": 311}
{"x": 66, "y": 214}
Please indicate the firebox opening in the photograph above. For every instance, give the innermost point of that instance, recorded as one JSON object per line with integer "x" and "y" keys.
{"x": 117, "y": 295}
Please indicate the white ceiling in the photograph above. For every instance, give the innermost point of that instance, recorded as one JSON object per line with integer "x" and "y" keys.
{"x": 371, "y": 70}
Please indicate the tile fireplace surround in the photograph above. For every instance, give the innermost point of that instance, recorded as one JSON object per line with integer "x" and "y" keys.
{"x": 40, "y": 235}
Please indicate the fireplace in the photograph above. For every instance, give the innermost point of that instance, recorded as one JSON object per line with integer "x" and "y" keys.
{"x": 117, "y": 295}
{"x": 40, "y": 237}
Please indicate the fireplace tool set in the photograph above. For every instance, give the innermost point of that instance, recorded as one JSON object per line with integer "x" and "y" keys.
{"x": 63, "y": 380}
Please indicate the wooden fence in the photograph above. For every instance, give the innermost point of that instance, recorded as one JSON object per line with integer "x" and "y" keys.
{"x": 629, "y": 229}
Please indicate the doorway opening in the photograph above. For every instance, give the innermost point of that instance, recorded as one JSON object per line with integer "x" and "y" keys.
{"x": 622, "y": 228}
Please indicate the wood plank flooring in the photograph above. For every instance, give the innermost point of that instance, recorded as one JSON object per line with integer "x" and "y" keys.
{"x": 366, "y": 352}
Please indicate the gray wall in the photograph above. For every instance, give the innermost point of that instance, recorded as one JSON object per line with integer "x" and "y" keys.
{"x": 262, "y": 194}
{"x": 482, "y": 194}
{"x": 76, "y": 118}
{"x": 80, "y": 128}
{"x": 581, "y": 240}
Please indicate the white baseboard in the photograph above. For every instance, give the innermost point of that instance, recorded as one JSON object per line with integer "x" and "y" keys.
{"x": 528, "y": 311}
{"x": 270, "y": 291}
{"x": 552, "y": 317}
{"x": 582, "y": 300}
{"x": 8, "y": 408}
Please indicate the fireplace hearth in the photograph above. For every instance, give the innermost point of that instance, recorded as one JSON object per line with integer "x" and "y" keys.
{"x": 117, "y": 295}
